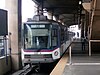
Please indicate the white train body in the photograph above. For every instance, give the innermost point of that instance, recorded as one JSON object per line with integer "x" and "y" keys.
{"x": 43, "y": 41}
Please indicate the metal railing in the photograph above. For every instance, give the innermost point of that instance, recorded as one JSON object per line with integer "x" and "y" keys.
{"x": 90, "y": 52}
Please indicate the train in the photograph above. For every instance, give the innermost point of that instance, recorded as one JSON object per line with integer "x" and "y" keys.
{"x": 43, "y": 41}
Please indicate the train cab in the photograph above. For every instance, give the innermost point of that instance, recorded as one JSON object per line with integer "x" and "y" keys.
{"x": 41, "y": 41}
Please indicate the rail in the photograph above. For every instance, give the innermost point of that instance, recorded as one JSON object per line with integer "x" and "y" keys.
{"x": 25, "y": 71}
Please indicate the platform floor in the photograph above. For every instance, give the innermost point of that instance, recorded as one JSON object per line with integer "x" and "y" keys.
{"x": 82, "y": 70}
{"x": 81, "y": 63}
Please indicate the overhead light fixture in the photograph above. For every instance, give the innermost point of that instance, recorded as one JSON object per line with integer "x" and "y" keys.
{"x": 80, "y": 2}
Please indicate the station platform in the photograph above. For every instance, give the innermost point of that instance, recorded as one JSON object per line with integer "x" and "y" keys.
{"x": 83, "y": 65}
{"x": 79, "y": 62}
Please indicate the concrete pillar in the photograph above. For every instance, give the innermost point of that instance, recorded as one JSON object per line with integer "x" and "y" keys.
{"x": 82, "y": 27}
{"x": 87, "y": 6}
{"x": 14, "y": 26}
{"x": 87, "y": 22}
{"x": 95, "y": 26}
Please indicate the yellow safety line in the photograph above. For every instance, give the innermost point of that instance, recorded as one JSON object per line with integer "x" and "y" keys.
{"x": 59, "y": 68}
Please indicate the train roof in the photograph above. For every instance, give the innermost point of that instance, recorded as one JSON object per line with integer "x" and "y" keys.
{"x": 40, "y": 19}
{"x": 42, "y": 22}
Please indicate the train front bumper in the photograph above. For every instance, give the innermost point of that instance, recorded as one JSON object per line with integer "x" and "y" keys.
{"x": 43, "y": 58}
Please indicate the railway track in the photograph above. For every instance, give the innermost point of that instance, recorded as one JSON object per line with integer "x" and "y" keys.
{"x": 42, "y": 69}
{"x": 26, "y": 70}
{"x": 33, "y": 70}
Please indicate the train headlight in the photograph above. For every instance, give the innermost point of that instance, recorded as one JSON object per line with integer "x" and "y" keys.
{"x": 56, "y": 53}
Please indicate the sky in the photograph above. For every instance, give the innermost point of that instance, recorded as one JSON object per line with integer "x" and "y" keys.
{"x": 28, "y": 9}
{"x": 2, "y": 4}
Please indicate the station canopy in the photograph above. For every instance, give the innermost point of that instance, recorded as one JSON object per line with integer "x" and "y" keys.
{"x": 68, "y": 11}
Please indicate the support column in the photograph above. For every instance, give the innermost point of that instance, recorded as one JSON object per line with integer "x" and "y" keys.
{"x": 82, "y": 27}
{"x": 14, "y": 27}
{"x": 87, "y": 22}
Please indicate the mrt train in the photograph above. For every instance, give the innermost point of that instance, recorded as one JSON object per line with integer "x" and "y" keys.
{"x": 43, "y": 41}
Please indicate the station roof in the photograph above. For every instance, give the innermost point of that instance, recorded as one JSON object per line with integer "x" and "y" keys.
{"x": 68, "y": 11}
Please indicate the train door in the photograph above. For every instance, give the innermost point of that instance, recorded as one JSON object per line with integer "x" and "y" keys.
{"x": 54, "y": 37}
{"x": 55, "y": 42}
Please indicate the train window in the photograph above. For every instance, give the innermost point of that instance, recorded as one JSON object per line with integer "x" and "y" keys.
{"x": 54, "y": 37}
{"x": 36, "y": 38}
{"x": 40, "y": 42}
{"x": 62, "y": 35}
{"x": 66, "y": 34}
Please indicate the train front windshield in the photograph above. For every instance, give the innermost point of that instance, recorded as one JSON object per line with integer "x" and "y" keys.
{"x": 36, "y": 36}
